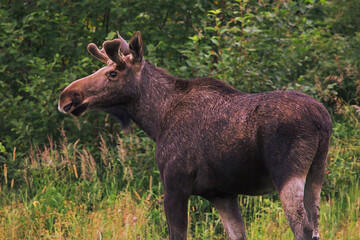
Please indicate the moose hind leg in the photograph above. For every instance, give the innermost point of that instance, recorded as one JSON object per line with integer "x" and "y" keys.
{"x": 311, "y": 201}
{"x": 288, "y": 161}
{"x": 230, "y": 215}
{"x": 314, "y": 182}
{"x": 291, "y": 196}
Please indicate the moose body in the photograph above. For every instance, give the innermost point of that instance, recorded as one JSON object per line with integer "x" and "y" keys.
{"x": 213, "y": 140}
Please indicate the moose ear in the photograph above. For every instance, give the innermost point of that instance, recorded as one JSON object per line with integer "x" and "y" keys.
{"x": 136, "y": 46}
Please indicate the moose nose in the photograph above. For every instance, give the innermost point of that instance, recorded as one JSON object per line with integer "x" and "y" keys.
{"x": 69, "y": 99}
{"x": 67, "y": 107}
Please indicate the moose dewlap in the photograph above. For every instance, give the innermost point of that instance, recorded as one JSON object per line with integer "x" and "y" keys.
{"x": 211, "y": 139}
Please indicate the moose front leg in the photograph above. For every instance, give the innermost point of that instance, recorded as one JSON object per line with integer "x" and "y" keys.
{"x": 175, "y": 203}
{"x": 178, "y": 177}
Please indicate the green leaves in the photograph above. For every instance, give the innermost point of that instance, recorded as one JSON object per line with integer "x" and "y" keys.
{"x": 263, "y": 46}
{"x": 2, "y": 148}
{"x": 43, "y": 48}
{"x": 256, "y": 46}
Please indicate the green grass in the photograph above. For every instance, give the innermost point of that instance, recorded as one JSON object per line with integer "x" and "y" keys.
{"x": 112, "y": 191}
{"x": 128, "y": 217}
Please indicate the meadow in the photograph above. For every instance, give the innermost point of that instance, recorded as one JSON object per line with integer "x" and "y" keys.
{"x": 64, "y": 197}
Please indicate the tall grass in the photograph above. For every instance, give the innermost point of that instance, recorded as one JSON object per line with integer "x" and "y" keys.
{"x": 112, "y": 191}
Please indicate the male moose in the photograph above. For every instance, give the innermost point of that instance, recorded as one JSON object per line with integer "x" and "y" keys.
{"x": 213, "y": 140}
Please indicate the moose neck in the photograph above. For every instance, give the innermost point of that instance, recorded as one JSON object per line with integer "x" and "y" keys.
{"x": 155, "y": 93}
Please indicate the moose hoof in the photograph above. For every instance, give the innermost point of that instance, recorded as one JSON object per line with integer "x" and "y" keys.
{"x": 316, "y": 237}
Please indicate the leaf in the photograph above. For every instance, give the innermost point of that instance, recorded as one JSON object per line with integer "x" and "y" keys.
{"x": 215, "y": 12}
{"x": 210, "y": 29}
{"x": 223, "y": 30}
{"x": 111, "y": 35}
{"x": 215, "y": 41}
{"x": 194, "y": 38}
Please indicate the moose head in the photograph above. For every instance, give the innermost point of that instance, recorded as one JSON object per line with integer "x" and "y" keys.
{"x": 111, "y": 86}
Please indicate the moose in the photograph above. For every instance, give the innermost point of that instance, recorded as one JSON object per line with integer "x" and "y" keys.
{"x": 213, "y": 140}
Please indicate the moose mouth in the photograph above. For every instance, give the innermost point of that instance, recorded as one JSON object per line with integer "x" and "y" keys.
{"x": 76, "y": 110}
{"x": 79, "y": 110}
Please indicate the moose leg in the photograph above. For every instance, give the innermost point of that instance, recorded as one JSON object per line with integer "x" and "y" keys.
{"x": 311, "y": 201}
{"x": 314, "y": 182}
{"x": 291, "y": 196}
{"x": 288, "y": 161}
{"x": 229, "y": 211}
{"x": 175, "y": 203}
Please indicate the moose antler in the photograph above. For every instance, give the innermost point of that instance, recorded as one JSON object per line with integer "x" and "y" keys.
{"x": 116, "y": 48}
{"x": 112, "y": 49}
{"x": 99, "y": 54}
{"x": 124, "y": 47}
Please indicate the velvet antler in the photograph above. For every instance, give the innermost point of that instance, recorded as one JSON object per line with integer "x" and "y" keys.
{"x": 112, "y": 49}
{"x": 124, "y": 47}
{"x": 99, "y": 54}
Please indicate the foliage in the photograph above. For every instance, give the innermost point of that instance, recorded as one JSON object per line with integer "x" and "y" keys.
{"x": 59, "y": 171}
{"x": 43, "y": 48}
{"x": 253, "y": 45}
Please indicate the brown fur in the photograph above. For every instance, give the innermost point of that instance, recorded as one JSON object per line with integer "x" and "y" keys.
{"x": 213, "y": 140}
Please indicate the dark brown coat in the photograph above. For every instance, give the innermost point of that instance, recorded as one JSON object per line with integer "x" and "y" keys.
{"x": 213, "y": 140}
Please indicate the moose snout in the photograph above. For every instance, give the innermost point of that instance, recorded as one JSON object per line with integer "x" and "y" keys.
{"x": 67, "y": 107}
{"x": 69, "y": 100}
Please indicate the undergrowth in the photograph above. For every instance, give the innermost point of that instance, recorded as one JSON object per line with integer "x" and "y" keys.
{"x": 68, "y": 191}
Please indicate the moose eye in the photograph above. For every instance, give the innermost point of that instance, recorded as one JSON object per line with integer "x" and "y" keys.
{"x": 113, "y": 74}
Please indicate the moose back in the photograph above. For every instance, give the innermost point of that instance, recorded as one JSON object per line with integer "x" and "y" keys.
{"x": 211, "y": 139}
